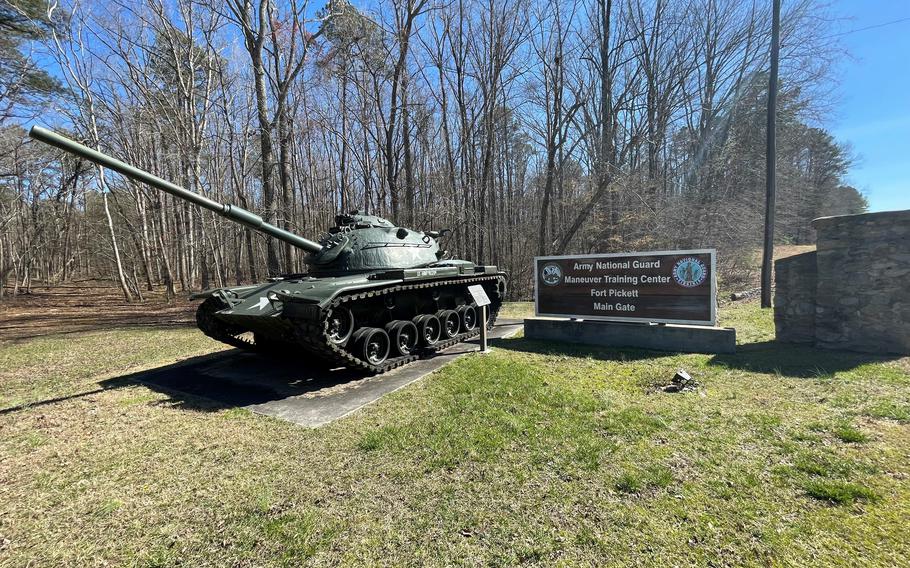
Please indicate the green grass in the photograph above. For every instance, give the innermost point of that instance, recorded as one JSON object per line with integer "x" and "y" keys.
{"x": 536, "y": 454}
{"x": 850, "y": 434}
{"x": 839, "y": 492}
{"x": 517, "y": 310}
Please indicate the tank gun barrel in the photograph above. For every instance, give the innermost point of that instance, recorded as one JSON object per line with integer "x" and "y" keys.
{"x": 230, "y": 211}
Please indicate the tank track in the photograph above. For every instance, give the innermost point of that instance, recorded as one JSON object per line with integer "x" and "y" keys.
{"x": 313, "y": 336}
{"x": 209, "y": 325}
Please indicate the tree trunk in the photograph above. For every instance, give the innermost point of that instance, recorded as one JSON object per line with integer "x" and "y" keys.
{"x": 121, "y": 278}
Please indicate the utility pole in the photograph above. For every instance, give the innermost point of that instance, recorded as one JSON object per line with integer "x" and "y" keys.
{"x": 771, "y": 160}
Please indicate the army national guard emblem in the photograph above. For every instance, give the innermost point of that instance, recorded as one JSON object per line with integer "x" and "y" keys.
{"x": 689, "y": 272}
{"x": 551, "y": 274}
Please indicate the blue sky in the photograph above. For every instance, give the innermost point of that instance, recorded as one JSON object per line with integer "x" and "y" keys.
{"x": 874, "y": 105}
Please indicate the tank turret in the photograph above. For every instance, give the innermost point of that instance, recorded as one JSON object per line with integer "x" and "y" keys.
{"x": 360, "y": 243}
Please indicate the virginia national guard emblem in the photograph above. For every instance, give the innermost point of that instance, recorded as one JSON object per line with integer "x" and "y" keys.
{"x": 689, "y": 272}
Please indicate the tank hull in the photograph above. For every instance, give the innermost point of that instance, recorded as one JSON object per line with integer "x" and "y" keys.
{"x": 323, "y": 316}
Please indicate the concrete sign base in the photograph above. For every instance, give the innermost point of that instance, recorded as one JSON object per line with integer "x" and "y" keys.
{"x": 661, "y": 337}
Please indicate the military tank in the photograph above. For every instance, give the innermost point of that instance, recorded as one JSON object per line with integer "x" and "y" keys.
{"x": 375, "y": 296}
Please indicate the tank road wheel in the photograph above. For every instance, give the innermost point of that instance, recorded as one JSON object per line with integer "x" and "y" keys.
{"x": 340, "y": 326}
{"x": 450, "y": 323}
{"x": 371, "y": 344}
{"x": 403, "y": 335}
{"x": 468, "y": 316}
{"x": 428, "y": 329}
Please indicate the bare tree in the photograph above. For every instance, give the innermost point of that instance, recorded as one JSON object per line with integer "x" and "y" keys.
{"x": 528, "y": 127}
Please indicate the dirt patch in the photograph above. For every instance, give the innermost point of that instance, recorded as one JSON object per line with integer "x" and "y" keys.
{"x": 87, "y": 306}
{"x": 752, "y": 282}
{"x": 783, "y": 251}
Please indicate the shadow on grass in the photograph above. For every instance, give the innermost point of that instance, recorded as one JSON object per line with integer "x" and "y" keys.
{"x": 236, "y": 378}
{"x": 227, "y": 379}
{"x": 113, "y": 384}
{"x": 764, "y": 357}
{"x": 794, "y": 360}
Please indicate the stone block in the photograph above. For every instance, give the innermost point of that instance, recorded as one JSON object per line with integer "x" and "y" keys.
{"x": 794, "y": 298}
{"x": 862, "y": 265}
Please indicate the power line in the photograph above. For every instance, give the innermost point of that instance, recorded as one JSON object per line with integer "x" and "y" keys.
{"x": 872, "y": 27}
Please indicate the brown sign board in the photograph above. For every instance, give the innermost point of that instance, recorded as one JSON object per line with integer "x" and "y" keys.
{"x": 677, "y": 286}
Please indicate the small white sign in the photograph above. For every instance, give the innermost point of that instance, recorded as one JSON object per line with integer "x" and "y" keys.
{"x": 479, "y": 295}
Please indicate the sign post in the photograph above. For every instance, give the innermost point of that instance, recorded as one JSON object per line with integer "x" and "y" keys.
{"x": 482, "y": 301}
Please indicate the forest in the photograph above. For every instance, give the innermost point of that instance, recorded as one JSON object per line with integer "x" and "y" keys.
{"x": 527, "y": 127}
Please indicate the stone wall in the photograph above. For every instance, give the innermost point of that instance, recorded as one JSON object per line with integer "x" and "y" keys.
{"x": 794, "y": 298}
{"x": 863, "y": 297}
{"x": 862, "y": 285}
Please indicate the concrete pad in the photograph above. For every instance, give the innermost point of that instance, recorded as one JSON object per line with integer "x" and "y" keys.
{"x": 297, "y": 391}
{"x": 661, "y": 337}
